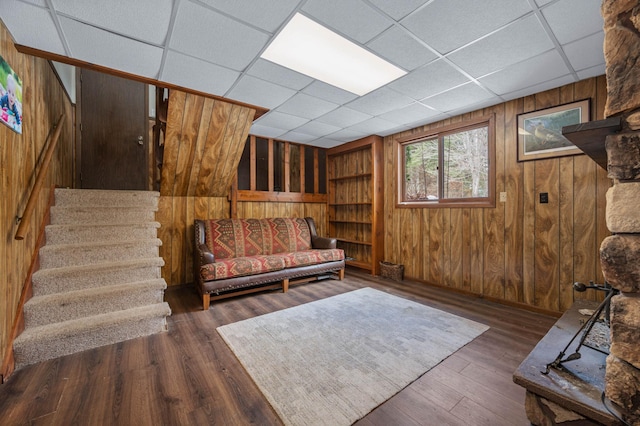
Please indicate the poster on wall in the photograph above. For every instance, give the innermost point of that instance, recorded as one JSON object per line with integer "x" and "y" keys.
{"x": 10, "y": 97}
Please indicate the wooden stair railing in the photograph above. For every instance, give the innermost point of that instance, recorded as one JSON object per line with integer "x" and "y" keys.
{"x": 25, "y": 220}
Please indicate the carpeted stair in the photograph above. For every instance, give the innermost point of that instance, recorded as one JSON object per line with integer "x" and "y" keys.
{"x": 99, "y": 280}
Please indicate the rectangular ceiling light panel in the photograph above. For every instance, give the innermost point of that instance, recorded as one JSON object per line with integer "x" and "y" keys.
{"x": 311, "y": 49}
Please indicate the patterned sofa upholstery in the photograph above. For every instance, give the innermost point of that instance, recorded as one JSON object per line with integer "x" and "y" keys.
{"x": 238, "y": 256}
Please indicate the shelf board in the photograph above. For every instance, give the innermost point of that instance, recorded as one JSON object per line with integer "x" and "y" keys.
{"x": 359, "y": 175}
{"x": 362, "y": 243}
{"x": 590, "y": 137}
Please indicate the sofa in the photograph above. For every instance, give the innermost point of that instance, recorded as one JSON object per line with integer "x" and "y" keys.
{"x": 239, "y": 256}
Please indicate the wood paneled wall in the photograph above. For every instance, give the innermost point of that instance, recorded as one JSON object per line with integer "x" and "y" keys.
{"x": 44, "y": 100}
{"x": 203, "y": 145}
{"x": 176, "y": 216}
{"x": 520, "y": 251}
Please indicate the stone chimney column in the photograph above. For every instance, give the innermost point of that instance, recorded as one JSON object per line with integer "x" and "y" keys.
{"x": 620, "y": 253}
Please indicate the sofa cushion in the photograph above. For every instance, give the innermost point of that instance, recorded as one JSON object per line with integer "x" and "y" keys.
{"x": 285, "y": 235}
{"x": 240, "y": 266}
{"x": 311, "y": 257}
{"x": 231, "y": 238}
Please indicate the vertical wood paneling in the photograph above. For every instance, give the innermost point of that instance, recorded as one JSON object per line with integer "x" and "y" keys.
{"x": 546, "y": 236}
{"x": 521, "y": 251}
{"x": 494, "y": 221}
{"x": 172, "y": 138}
{"x": 43, "y": 101}
{"x": 188, "y": 141}
{"x": 176, "y": 216}
{"x": 211, "y": 159}
{"x": 566, "y": 228}
{"x": 199, "y": 149}
{"x": 514, "y": 207}
{"x": 233, "y": 145}
{"x": 456, "y": 254}
{"x": 203, "y": 145}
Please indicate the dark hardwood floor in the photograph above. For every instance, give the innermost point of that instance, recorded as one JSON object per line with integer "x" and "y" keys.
{"x": 188, "y": 376}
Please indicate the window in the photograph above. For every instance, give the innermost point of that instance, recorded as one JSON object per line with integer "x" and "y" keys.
{"x": 448, "y": 167}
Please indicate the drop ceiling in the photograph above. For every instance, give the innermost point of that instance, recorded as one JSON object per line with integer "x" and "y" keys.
{"x": 460, "y": 55}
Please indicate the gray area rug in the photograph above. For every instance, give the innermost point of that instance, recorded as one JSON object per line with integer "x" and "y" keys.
{"x": 332, "y": 361}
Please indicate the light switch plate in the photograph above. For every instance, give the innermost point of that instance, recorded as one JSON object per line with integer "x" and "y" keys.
{"x": 503, "y": 197}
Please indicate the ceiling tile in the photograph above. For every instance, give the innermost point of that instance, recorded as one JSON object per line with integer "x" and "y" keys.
{"x": 458, "y": 98}
{"x": 317, "y": 129}
{"x": 329, "y": 93}
{"x": 380, "y": 101}
{"x": 259, "y": 92}
{"x": 409, "y": 114}
{"x": 267, "y": 15}
{"x": 414, "y": 124}
{"x": 372, "y": 126}
{"x": 587, "y": 52}
{"x": 325, "y": 143}
{"x": 352, "y": 18}
{"x": 205, "y": 34}
{"x": 344, "y": 117}
{"x": 191, "y": 72}
{"x": 547, "y": 66}
{"x": 32, "y": 26}
{"x": 433, "y": 78}
{"x": 42, "y": 3}
{"x": 269, "y": 71}
{"x": 573, "y": 19}
{"x": 347, "y": 135}
{"x": 115, "y": 52}
{"x": 561, "y": 81}
{"x": 144, "y": 20}
{"x": 281, "y": 120}
{"x": 298, "y": 137}
{"x": 306, "y": 106}
{"x": 517, "y": 42}
{"x": 398, "y": 9}
{"x": 398, "y": 47}
{"x": 449, "y": 24}
{"x": 592, "y": 72}
{"x": 266, "y": 131}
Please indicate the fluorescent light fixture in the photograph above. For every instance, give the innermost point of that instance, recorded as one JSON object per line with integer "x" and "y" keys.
{"x": 309, "y": 48}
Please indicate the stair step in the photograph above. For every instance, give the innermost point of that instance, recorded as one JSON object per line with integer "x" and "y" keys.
{"x": 55, "y": 340}
{"x": 61, "y": 215}
{"x": 70, "y": 234}
{"x": 105, "y": 198}
{"x": 51, "y": 308}
{"x": 60, "y": 255}
{"x": 70, "y": 278}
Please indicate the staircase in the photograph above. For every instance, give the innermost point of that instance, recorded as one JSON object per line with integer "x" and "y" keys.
{"x": 99, "y": 280}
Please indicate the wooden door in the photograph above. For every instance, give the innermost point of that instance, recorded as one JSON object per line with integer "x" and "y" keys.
{"x": 113, "y": 121}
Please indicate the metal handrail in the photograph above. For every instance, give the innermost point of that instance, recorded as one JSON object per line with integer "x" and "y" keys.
{"x": 25, "y": 220}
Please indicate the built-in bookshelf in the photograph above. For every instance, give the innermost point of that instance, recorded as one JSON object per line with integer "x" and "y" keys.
{"x": 355, "y": 201}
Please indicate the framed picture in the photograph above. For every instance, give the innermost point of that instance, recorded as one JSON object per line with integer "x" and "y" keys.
{"x": 10, "y": 97}
{"x": 540, "y": 132}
